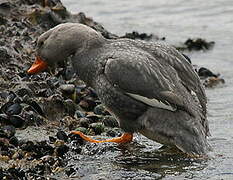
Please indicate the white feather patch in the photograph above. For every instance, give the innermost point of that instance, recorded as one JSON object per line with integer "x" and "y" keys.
{"x": 152, "y": 102}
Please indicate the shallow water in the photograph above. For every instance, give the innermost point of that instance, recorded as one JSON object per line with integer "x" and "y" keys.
{"x": 177, "y": 20}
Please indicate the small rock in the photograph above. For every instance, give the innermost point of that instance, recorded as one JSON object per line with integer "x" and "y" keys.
{"x": 14, "y": 141}
{"x": 110, "y": 121}
{"x": 61, "y": 150}
{"x": 16, "y": 121}
{"x": 97, "y": 127}
{"x": 101, "y": 110}
{"x": 52, "y": 139}
{"x": 14, "y": 109}
{"x": 79, "y": 114}
{"x": 62, "y": 136}
{"x": 8, "y": 131}
{"x": 59, "y": 143}
{"x": 82, "y": 129}
{"x": 84, "y": 122}
{"x": 70, "y": 107}
{"x": 67, "y": 89}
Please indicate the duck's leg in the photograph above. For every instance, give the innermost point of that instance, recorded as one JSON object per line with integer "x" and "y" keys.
{"x": 125, "y": 138}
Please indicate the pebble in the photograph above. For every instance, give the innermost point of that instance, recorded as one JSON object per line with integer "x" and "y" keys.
{"x": 110, "y": 121}
{"x": 84, "y": 122}
{"x": 97, "y": 127}
{"x": 62, "y": 136}
{"x": 67, "y": 89}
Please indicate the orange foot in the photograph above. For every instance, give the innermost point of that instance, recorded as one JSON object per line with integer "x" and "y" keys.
{"x": 125, "y": 138}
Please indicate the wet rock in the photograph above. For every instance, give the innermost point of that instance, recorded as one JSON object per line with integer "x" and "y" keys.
{"x": 70, "y": 171}
{"x": 97, "y": 127}
{"x": 7, "y": 131}
{"x": 3, "y": 118}
{"x": 82, "y": 129}
{"x": 213, "y": 82}
{"x": 67, "y": 89}
{"x": 88, "y": 104}
{"x": 204, "y": 73}
{"x": 79, "y": 114}
{"x": 76, "y": 139}
{"x": 24, "y": 91}
{"x": 101, "y": 110}
{"x": 70, "y": 107}
{"x": 93, "y": 118}
{"x": 61, "y": 150}
{"x": 17, "y": 121}
{"x": 84, "y": 122}
{"x": 4, "y": 58}
{"x": 11, "y": 96}
{"x": 35, "y": 107}
{"x": 14, "y": 141}
{"x": 111, "y": 133}
{"x": 196, "y": 44}
{"x": 52, "y": 139}
{"x": 110, "y": 121}
{"x": 136, "y": 35}
{"x": 62, "y": 136}
{"x": 12, "y": 109}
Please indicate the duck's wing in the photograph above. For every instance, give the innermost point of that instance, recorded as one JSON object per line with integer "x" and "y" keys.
{"x": 151, "y": 80}
{"x": 185, "y": 71}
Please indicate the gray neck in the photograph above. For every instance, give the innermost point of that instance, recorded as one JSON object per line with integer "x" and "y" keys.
{"x": 85, "y": 60}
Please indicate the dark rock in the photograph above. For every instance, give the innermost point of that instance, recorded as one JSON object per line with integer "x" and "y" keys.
{"x": 101, "y": 110}
{"x": 97, "y": 127}
{"x": 7, "y": 131}
{"x": 136, "y": 35}
{"x": 84, "y": 122}
{"x": 67, "y": 88}
{"x": 93, "y": 118}
{"x": 70, "y": 107}
{"x": 196, "y": 44}
{"x": 82, "y": 129}
{"x": 13, "y": 109}
{"x": 4, "y": 58}
{"x": 14, "y": 141}
{"x": 61, "y": 150}
{"x": 110, "y": 121}
{"x": 204, "y": 72}
{"x": 11, "y": 96}
{"x": 62, "y": 136}
{"x": 35, "y": 107}
{"x": 69, "y": 171}
{"x": 111, "y": 133}
{"x": 79, "y": 114}
{"x": 76, "y": 138}
{"x": 52, "y": 139}
{"x": 3, "y": 118}
{"x": 23, "y": 91}
{"x": 213, "y": 82}
{"x": 88, "y": 104}
{"x": 16, "y": 121}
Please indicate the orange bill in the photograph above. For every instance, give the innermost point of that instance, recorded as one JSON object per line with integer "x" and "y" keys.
{"x": 38, "y": 66}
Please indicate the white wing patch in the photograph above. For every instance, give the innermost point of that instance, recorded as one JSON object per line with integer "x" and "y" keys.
{"x": 152, "y": 102}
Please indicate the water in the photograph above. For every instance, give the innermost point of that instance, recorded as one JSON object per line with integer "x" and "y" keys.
{"x": 177, "y": 20}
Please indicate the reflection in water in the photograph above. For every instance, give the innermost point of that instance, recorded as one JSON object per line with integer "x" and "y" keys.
{"x": 160, "y": 161}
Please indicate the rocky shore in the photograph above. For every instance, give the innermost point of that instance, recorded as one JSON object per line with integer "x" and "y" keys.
{"x": 38, "y": 112}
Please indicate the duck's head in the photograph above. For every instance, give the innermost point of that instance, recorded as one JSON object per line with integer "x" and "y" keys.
{"x": 60, "y": 42}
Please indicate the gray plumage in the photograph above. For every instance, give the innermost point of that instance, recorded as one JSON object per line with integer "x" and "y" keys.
{"x": 151, "y": 88}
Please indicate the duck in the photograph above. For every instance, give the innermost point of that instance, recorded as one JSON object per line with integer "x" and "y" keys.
{"x": 151, "y": 88}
